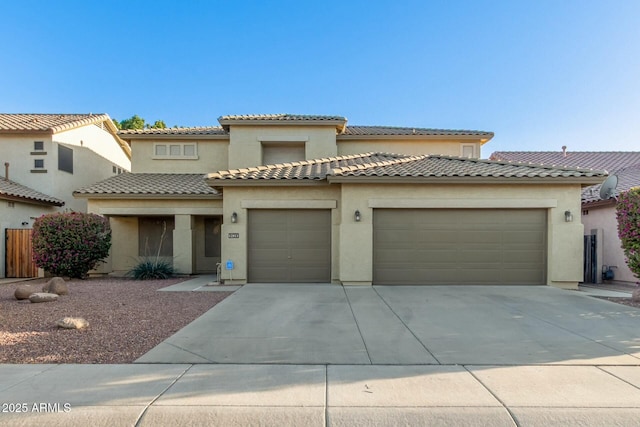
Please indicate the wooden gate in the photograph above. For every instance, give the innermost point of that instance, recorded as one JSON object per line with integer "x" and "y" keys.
{"x": 18, "y": 259}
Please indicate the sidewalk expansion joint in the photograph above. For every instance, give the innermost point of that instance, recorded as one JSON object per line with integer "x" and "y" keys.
{"x": 495, "y": 396}
{"x": 616, "y": 377}
{"x": 357, "y": 326}
{"x": 146, "y": 408}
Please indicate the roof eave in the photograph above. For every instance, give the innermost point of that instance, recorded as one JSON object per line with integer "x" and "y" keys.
{"x": 584, "y": 181}
{"x": 145, "y": 196}
{"x": 12, "y": 198}
{"x": 147, "y": 136}
{"x": 227, "y": 123}
{"x": 482, "y": 139}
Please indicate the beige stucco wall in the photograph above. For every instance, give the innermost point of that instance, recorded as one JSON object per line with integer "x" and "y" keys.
{"x": 13, "y": 217}
{"x": 98, "y": 140}
{"x": 352, "y": 242}
{"x": 405, "y": 146}
{"x": 604, "y": 218}
{"x": 123, "y": 215}
{"x": 245, "y": 148}
{"x": 213, "y": 155}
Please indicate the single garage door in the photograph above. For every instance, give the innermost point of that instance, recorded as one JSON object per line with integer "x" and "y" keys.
{"x": 459, "y": 246}
{"x": 289, "y": 245}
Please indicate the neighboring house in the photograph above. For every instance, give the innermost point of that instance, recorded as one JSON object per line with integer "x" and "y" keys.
{"x": 51, "y": 155}
{"x": 18, "y": 205}
{"x": 598, "y": 216}
{"x": 296, "y": 198}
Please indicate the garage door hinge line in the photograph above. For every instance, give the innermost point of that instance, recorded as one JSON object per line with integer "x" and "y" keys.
{"x": 406, "y": 326}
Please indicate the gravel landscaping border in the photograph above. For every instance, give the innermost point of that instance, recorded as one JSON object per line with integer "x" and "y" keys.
{"x": 127, "y": 318}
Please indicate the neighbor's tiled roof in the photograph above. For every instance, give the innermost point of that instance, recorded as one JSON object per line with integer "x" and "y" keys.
{"x": 395, "y": 165}
{"x": 394, "y": 131}
{"x": 12, "y": 189}
{"x": 604, "y": 160}
{"x": 150, "y": 184}
{"x": 200, "y": 130}
{"x": 628, "y": 178}
{"x": 47, "y": 122}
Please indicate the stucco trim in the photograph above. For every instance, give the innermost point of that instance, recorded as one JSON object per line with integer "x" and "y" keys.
{"x": 137, "y": 211}
{"x": 289, "y": 204}
{"x": 463, "y": 203}
{"x": 282, "y": 138}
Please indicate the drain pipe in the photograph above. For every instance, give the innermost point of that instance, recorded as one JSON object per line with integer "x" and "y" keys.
{"x": 6, "y": 171}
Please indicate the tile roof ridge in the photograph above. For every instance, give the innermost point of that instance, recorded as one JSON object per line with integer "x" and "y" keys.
{"x": 395, "y": 159}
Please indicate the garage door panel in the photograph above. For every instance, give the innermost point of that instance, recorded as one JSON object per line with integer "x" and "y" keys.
{"x": 461, "y": 246}
{"x": 289, "y": 245}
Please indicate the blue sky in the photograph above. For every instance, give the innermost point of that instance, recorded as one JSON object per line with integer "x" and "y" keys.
{"x": 540, "y": 74}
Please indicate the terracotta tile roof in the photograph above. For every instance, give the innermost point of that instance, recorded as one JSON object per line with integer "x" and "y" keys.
{"x": 155, "y": 184}
{"x": 393, "y": 131}
{"x": 604, "y": 160}
{"x": 48, "y": 122}
{"x": 281, "y": 117}
{"x": 13, "y": 190}
{"x": 201, "y": 130}
{"x": 628, "y": 178}
{"x": 395, "y": 165}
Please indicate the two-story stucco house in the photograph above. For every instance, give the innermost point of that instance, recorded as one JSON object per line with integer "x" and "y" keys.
{"x": 299, "y": 198}
{"x": 45, "y": 157}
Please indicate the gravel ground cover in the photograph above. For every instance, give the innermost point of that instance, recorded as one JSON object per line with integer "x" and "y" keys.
{"x": 126, "y": 319}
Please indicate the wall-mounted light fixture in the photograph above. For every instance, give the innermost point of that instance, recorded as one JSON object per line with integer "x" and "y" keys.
{"x": 356, "y": 216}
{"x": 568, "y": 216}
{"x": 234, "y": 217}
{"x": 25, "y": 223}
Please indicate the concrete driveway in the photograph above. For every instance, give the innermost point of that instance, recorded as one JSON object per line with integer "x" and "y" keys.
{"x": 403, "y": 325}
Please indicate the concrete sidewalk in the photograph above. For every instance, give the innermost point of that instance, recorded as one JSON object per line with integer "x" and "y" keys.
{"x": 318, "y": 395}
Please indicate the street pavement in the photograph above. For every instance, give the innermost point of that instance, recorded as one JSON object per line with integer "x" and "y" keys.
{"x": 326, "y": 355}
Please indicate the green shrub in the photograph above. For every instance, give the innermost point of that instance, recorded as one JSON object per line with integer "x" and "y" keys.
{"x": 628, "y": 215}
{"x": 70, "y": 244}
{"x": 150, "y": 269}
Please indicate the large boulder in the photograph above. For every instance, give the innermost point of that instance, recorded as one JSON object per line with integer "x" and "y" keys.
{"x": 24, "y": 291}
{"x": 57, "y": 286}
{"x": 43, "y": 297}
{"x": 72, "y": 323}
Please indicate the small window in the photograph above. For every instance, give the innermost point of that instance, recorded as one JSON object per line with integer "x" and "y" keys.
{"x": 175, "y": 151}
{"x": 38, "y": 164}
{"x": 65, "y": 159}
{"x": 11, "y": 204}
{"x": 38, "y": 145}
{"x": 114, "y": 169}
{"x": 468, "y": 151}
{"x": 585, "y": 212}
{"x": 189, "y": 150}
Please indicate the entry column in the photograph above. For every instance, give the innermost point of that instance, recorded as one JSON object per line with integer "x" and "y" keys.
{"x": 183, "y": 244}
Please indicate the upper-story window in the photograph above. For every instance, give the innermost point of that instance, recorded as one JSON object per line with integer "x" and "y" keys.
{"x": 38, "y": 145}
{"x": 468, "y": 151}
{"x": 175, "y": 151}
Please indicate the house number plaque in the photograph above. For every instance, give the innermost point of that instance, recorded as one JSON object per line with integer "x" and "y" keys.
{"x": 234, "y": 235}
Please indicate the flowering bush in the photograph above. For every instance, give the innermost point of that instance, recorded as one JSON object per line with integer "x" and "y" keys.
{"x": 70, "y": 244}
{"x": 628, "y": 214}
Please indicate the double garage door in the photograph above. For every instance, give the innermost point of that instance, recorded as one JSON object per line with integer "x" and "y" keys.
{"x": 459, "y": 246}
{"x": 410, "y": 246}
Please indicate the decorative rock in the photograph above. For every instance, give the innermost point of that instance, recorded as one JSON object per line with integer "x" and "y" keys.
{"x": 57, "y": 286}
{"x": 72, "y": 323}
{"x": 635, "y": 296}
{"x": 24, "y": 291}
{"x": 43, "y": 297}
